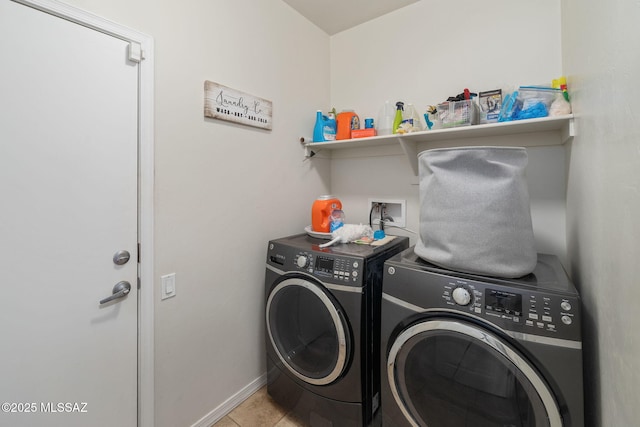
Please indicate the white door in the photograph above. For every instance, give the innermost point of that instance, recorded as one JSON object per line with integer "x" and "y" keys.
{"x": 68, "y": 203}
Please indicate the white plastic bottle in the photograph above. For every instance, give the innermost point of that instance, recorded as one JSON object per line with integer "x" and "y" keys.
{"x": 385, "y": 120}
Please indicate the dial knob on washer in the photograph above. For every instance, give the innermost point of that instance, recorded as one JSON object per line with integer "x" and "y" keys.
{"x": 302, "y": 261}
{"x": 461, "y": 296}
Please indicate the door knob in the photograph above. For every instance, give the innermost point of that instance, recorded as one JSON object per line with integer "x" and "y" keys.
{"x": 120, "y": 290}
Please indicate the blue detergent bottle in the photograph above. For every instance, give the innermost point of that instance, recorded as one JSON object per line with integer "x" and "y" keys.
{"x": 318, "y": 133}
{"x": 325, "y": 128}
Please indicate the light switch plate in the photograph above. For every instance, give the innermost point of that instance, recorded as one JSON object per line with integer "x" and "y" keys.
{"x": 168, "y": 286}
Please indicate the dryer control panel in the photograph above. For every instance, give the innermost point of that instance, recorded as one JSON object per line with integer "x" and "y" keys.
{"x": 515, "y": 309}
{"x": 545, "y": 304}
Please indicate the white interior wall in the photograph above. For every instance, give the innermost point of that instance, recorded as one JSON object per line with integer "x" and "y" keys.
{"x": 600, "y": 55}
{"x": 223, "y": 190}
{"x": 422, "y": 54}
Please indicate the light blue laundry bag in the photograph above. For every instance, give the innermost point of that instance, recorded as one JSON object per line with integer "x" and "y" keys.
{"x": 475, "y": 215}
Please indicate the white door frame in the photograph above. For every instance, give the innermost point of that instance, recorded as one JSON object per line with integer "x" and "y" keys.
{"x": 145, "y": 189}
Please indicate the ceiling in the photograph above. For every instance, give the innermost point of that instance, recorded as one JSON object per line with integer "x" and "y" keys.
{"x": 334, "y": 16}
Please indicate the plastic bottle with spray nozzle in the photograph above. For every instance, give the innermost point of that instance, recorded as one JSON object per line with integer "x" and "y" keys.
{"x": 397, "y": 121}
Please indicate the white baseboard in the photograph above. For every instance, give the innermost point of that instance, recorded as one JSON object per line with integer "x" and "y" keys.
{"x": 229, "y": 405}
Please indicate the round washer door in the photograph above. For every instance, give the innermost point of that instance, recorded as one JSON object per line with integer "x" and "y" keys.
{"x": 452, "y": 373}
{"x": 307, "y": 330}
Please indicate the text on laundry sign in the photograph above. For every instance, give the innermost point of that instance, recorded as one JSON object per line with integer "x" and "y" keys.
{"x": 231, "y": 101}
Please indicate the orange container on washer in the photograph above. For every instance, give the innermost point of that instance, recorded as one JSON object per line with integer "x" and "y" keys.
{"x": 321, "y": 213}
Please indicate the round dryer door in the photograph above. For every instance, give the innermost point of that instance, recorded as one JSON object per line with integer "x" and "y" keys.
{"x": 307, "y": 330}
{"x": 450, "y": 373}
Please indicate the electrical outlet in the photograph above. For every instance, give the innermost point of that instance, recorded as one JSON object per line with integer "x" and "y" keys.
{"x": 393, "y": 211}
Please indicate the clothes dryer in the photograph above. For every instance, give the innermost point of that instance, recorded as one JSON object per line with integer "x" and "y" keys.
{"x": 322, "y": 308}
{"x": 466, "y": 350}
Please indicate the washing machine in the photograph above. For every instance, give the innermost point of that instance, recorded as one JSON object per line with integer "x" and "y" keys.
{"x": 466, "y": 350}
{"x": 322, "y": 308}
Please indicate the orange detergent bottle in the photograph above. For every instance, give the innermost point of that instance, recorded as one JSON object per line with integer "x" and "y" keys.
{"x": 346, "y": 122}
{"x": 321, "y": 213}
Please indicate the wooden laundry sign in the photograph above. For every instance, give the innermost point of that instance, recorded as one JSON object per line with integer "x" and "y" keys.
{"x": 224, "y": 103}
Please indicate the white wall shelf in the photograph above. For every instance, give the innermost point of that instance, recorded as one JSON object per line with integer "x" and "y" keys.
{"x": 562, "y": 126}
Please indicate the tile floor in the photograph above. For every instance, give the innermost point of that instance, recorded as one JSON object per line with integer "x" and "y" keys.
{"x": 259, "y": 410}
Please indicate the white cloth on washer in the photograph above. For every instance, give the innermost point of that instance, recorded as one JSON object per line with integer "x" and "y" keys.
{"x": 349, "y": 233}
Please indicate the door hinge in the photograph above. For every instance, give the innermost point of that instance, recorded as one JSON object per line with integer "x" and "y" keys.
{"x": 138, "y": 253}
{"x": 136, "y": 54}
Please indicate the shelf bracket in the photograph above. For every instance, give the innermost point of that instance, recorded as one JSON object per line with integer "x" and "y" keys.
{"x": 411, "y": 151}
{"x": 308, "y": 152}
{"x": 568, "y": 131}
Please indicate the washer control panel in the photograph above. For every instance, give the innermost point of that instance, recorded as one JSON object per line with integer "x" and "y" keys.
{"x": 327, "y": 267}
